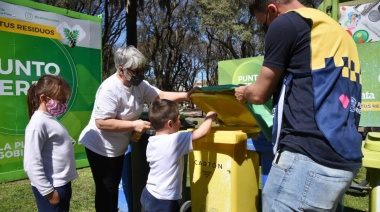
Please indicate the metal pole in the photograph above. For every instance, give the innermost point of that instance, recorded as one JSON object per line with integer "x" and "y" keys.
{"x": 202, "y": 87}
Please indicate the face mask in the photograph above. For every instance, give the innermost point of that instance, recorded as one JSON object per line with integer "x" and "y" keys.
{"x": 136, "y": 80}
{"x": 264, "y": 27}
{"x": 56, "y": 108}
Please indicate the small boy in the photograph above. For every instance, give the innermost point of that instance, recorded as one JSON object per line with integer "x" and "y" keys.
{"x": 165, "y": 153}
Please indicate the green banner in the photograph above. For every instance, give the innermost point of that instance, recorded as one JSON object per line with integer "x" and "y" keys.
{"x": 370, "y": 68}
{"x": 240, "y": 71}
{"x": 37, "y": 39}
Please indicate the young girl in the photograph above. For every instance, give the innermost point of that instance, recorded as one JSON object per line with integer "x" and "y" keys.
{"x": 48, "y": 153}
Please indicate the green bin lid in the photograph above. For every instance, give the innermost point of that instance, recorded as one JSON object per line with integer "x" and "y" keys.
{"x": 221, "y": 99}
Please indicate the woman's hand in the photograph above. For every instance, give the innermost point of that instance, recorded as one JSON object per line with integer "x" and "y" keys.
{"x": 140, "y": 125}
{"x": 190, "y": 92}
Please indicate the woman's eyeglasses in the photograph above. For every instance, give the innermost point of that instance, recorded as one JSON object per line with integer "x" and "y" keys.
{"x": 136, "y": 72}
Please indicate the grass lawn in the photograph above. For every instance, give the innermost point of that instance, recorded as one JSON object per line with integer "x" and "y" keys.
{"x": 357, "y": 201}
{"x": 18, "y": 197}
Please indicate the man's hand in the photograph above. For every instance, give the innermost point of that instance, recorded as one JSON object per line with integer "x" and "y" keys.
{"x": 239, "y": 94}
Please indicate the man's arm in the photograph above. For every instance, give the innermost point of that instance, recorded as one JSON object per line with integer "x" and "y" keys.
{"x": 262, "y": 90}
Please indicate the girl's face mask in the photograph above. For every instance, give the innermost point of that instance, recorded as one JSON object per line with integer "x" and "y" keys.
{"x": 56, "y": 108}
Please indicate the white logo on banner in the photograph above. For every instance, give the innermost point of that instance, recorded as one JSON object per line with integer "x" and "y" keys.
{"x": 71, "y": 36}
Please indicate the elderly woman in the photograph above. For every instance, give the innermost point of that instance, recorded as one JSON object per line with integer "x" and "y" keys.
{"x": 119, "y": 103}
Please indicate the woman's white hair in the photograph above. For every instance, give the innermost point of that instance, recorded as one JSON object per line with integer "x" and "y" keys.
{"x": 129, "y": 58}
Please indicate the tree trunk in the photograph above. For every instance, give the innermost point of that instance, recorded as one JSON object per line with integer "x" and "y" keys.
{"x": 131, "y": 24}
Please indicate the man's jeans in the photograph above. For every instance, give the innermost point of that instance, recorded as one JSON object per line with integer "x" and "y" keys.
{"x": 296, "y": 183}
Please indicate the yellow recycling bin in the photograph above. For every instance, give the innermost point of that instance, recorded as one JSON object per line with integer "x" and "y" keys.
{"x": 224, "y": 175}
{"x": 371, "y": 160}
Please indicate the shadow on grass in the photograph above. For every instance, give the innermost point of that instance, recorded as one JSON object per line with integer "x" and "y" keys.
{"x": 358, "y": 194}
{"x": 348, "y": 209}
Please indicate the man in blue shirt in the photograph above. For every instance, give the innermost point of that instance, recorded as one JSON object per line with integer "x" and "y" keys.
{"x": 311, "y": 67}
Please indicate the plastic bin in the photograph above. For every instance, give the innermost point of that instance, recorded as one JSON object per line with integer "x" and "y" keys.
{"x": 224, "y": 175}
{"x": 371, "y": 160}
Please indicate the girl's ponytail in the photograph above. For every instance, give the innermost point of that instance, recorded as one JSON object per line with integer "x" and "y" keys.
{"x": 32, "y": 100}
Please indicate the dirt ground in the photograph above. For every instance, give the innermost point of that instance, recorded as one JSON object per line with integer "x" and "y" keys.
{"x": 194, "y": 117}
{"x": 192, "y": 113}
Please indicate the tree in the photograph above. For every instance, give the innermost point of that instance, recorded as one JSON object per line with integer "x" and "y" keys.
{"x": 229, "y": 31}
{"x": 179, "y": 38}
{"x": 113, "y": 23}
{"x": 131, "y": 21}
{"x": 170, "y": 39}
